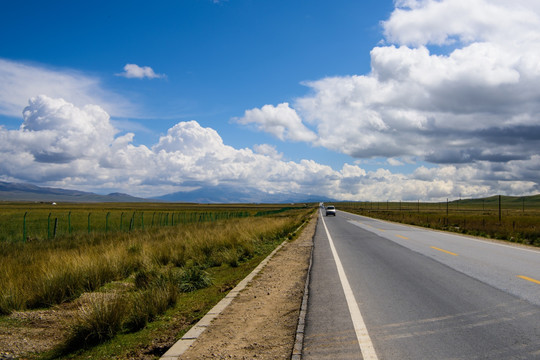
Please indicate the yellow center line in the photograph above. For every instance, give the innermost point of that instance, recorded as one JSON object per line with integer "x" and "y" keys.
{"x": 403, "y": 237}
{"x": 528, "y": 279}
{"x": 444, "y": 251}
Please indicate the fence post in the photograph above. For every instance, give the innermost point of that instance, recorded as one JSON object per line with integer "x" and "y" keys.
{"x": 89, "y": 214}
{"x": 131, "y": 222}
{"x": 69, "y": 222}
{"x": 55, "y": 227}
{"x": 121, "y": 218}
{"x": 24, "y": 226}
{"x": 142, "y": 220}
{"x": 107, "y": 221}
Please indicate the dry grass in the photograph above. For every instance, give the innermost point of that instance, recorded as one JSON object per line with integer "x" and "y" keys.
{"x": 512, "y": 223}
{"x": 154, "y": 266}
{"x": 41, "y": 274}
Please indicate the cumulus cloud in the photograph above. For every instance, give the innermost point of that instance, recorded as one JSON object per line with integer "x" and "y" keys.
{"x": 56, "y": 131}
{"x": 454, "y": 83}
{"x": 21, "y": 81}
{"x": 134, "y": 71}
{"x": 420, "y": 22}
{"x": 268, "y": 150}
{"x": 280, "y": 121}
{"x": 60, "y": 144}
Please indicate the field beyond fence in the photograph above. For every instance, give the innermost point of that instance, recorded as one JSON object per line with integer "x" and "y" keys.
{"x": 31, "y": 221}
{"x": 515, "y": 219}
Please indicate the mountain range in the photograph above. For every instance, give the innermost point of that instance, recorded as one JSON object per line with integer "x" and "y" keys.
{"x": 28, "y": 192}
{"x": 232, "y": 194}
{"x": 208, "y": 195}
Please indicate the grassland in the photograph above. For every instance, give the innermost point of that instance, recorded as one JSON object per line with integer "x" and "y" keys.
{"x": 515, "y": 219}
{"x": 37, "y": 221}
{"x": 193, "y": 252}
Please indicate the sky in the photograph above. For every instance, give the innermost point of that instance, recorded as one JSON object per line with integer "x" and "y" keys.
{"x": 370, "y": 100}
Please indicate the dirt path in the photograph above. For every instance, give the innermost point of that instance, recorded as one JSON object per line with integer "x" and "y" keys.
{"x": 261, "y": 321}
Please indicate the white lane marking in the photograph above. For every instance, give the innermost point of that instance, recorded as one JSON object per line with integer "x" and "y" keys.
{"x": 366, "y": 346}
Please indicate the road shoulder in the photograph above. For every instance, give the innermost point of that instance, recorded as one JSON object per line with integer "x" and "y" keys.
{"x": 261, "y": 321}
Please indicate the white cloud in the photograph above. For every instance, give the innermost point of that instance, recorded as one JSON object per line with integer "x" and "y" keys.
{"x": 421, "y": 22}
{"x": 59, "y": 144}
{"x": 56, "y": 131}
{"x": 280, "y": 121}
{"x": 268, "y": 150}
{"x": 21, "y": 81}
{"x": 394, "y": 162}
{"x": 456, "y": 85}
{"x": 134, "y": 71}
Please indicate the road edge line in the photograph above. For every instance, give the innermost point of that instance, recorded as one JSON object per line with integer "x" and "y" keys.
{"x": 364, "y": 341}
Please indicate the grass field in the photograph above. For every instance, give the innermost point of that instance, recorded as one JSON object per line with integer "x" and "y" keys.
{"x": 186, "y": 249}
{"x": 515, "y": 219}
{"x": 38, "y": 221}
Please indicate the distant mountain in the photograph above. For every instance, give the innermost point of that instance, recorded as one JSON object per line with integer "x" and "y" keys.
{"x": 231, "y": 194}
{"x": 28, "y": 192}
{"x": 224, "y": 194}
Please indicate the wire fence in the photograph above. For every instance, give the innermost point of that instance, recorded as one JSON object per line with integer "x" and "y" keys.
{"x": 38, "y": 225}
{"x": 500, "y": 218}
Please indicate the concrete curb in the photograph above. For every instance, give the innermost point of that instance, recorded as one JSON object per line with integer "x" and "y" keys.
{"x": 182, "y": 345}
{"x": 299, "y": 340}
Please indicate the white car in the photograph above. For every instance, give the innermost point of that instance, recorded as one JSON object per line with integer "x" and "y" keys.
{"x": 330, "y": 210}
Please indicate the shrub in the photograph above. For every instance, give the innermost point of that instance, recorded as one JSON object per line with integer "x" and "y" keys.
{"x": 145, "y": 306}
{"x": 144, "y": 278}
{"x": 194, "y": 278}
{"x": 98, "y": 321}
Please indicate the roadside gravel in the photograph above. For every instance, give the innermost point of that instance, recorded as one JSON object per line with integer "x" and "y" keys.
{"x": 261, "y": 321}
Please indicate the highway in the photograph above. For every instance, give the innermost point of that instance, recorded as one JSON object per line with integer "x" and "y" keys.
{"x": 380, "y": 290}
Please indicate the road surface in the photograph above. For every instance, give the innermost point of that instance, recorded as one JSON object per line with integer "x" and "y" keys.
{"x": 381, "y": 290}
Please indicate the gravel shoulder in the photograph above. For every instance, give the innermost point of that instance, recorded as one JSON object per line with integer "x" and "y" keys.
{"x": 261, "y": 321}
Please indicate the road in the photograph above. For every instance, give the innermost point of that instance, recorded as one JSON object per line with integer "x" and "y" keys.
{"x": 381, "y": 290}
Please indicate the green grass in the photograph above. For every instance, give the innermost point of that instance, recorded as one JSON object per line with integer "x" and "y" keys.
{"x": 517, "y": 219}
{"x": 33, "y": 221}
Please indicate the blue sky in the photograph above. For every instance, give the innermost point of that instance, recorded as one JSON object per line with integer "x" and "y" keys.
{"x": 364, "y": 100}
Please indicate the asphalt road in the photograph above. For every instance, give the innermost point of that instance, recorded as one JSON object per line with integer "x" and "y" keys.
{"x": 410, "y": 293}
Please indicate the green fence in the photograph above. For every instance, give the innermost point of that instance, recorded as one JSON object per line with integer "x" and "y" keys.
{"x": 34, "y": 225}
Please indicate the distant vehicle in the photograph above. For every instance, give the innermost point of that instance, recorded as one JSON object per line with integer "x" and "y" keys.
{"x": 330, "y": 210}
